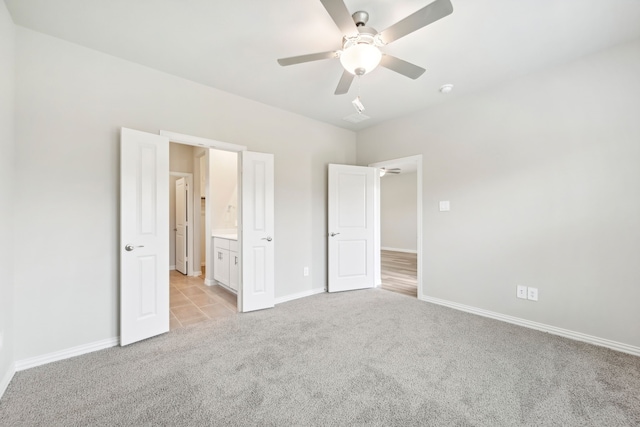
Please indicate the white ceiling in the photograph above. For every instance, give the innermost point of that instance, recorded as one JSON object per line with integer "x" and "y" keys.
{"x": 233, "y": 45}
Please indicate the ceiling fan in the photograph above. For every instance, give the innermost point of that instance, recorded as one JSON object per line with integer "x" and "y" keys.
{"x": 360, "y": 52}
{"x": 392, "y": 171}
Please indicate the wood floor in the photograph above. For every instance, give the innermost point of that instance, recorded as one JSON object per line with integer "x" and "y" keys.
{"x": 399, "y": 272}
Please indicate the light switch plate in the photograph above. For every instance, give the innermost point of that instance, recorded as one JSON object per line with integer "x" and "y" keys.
{"x": 445, "y": 206}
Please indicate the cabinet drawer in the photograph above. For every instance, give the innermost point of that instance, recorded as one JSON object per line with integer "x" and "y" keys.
{"x": 220, "y": 243}
{"x": 233, "y": 245}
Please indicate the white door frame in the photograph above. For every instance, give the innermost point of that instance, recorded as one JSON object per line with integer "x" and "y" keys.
{"x": 218, "y": 145}
{"x": 418, "y": 160}
{"x": 190, "y": 245}
{"x": 197, "y": 229}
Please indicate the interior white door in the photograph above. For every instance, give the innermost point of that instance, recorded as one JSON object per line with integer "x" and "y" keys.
{"x": 351, "y": 227}
{"x": 257, "y": 270}
{"x": 144, "y": 241}
{"x": 181, "y": 225}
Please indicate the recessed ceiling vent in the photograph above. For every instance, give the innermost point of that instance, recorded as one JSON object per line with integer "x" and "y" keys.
{"x": 356, "y": 118}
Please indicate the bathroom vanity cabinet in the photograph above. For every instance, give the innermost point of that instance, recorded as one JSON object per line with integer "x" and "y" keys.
{"x": 225, "y": 261}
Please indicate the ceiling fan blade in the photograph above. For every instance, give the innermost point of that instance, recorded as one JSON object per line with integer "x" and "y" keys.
{"x": 425, "y": 16}
{"x": 403, "y": 67}
{"x": 341, "y": 16}
{"x": 345, "y": 83}
{"x": 307, "y": 58}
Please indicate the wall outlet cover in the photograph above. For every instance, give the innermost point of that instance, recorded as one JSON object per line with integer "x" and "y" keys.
{"x": 532, "y": 294}
{"x": 521, "y": 292}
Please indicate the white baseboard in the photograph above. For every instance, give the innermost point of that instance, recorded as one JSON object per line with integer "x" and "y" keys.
{"x": 32, "y": 362}
{"x": 578, "y": 336}
{"x": 197, "y": 273}
{"x": 209, "y": 282}
{"x": 299, "y": 295}
{"x": 407, "y": 251}
{"x": 6, "y": 379}
{"x": 172, "y": 267}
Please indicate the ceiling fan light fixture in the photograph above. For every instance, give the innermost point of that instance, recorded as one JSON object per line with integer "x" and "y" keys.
{"x": 360, "y": 58}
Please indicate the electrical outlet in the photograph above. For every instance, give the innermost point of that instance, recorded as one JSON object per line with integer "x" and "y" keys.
{"x": 306, "y": 271}
{"x": 522, "y": 292}
{"x": 532, "y": 294}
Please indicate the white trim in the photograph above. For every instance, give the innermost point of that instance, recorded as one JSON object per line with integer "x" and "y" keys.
{"x": 32, "y": 362}
{"x": 201, "y": 142}
{"x": 197, "y": 273}
{"x": 172, "y": 267}
{"x": 299, "y": 295}
{"x": 8, "y": 376}
{"x": 578, "y": 336}
{"x": 406, "y": 251}
{"x": 209, "y": 282}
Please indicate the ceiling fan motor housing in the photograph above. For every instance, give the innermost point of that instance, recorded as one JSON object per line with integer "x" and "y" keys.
{"x": 360, "y": 18}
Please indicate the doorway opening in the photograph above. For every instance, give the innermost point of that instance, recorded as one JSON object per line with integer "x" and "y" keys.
{"x": 400, "y": 225}
{"x": 199, "y": 179}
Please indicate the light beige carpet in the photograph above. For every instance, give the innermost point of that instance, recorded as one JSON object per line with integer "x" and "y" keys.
{"x": 358, "y": 358}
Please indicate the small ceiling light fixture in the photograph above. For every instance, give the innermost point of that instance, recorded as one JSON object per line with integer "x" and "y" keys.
{"x": 357, "y": 104}
{"x": 446, "y": 88}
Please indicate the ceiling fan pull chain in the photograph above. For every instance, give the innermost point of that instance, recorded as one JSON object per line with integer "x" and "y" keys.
{"x": 357, "y": 104}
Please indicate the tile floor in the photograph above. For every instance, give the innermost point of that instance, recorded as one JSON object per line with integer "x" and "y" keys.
{"x": 191, "y": 301}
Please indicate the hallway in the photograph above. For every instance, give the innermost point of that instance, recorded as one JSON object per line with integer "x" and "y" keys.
{"x": 399, "y": 272}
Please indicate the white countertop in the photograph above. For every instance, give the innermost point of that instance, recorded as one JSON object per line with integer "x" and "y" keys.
{"x": 227, "y": 236}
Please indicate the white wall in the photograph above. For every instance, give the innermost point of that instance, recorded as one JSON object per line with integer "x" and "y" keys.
{"x": 223, "y": 186}
{"x": 7, "y": 180}
{"x": 544, "y": 181}
{"x": 180, "y": 158}
{"x": 71, "y": 102}
{"x": 398, "y": 211}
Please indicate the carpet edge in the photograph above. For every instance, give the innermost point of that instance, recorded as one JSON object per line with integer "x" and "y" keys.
{"x": 566, "y": 333}
{"x": 299, "y": 295}
{"x": 8, "y": 376}
{"x": 32, "y": 362}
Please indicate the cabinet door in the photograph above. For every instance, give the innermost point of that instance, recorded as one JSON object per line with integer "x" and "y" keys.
{"x": 233, "y": 270}
{"x": 221, "y": 265}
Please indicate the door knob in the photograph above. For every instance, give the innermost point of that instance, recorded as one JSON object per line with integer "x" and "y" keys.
{"x": 334, "y": 234}
{"x": 268, "y": 238}
{"x": 129, "y": 247}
